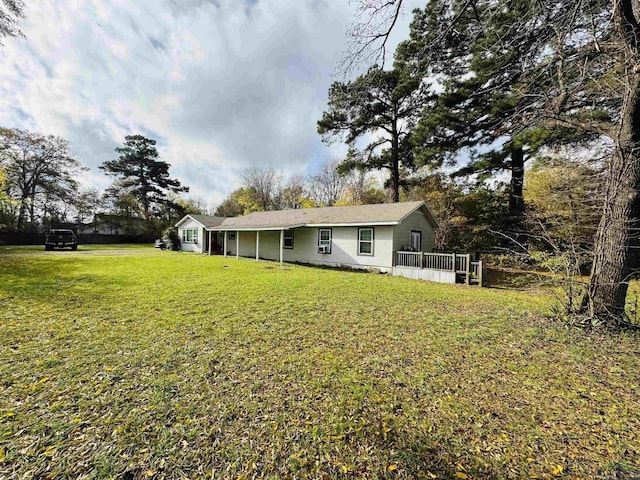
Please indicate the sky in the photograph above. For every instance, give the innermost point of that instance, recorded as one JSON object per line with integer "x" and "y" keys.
{"x": 219, "y": 84}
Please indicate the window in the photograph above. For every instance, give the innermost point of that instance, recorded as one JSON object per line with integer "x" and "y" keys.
{"x": 365, "y": 241}
{"x": 190, "y": 235}
{"x": 416, "y": 240}
{"x": 288, "y": 239}
{"x": 324, "y": 239}
{"x": 232, "y": 235}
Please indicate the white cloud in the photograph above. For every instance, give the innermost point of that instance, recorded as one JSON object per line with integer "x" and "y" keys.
{"x": 219, "y": 84}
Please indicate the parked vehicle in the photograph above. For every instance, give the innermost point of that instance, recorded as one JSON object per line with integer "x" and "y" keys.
{"x": 161, "y": 244}
{"x": 60, "y": 238}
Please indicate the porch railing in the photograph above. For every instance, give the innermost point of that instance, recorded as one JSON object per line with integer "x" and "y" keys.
{"x": 409, "y": 259}
{"x": 461, "y": 264}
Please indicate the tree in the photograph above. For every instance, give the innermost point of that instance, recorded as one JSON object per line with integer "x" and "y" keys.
{"x": 7, "y": 204}
{"x": 242, "y": 201}
{"x": 295, "y": 194}
{"x": 477, "y": 103}
{"x": 361, "y": 189}
{"x": 40, "y": 172}
{"x": 577, "y": 66}
{"x": 564, "y": 197}
{"x": 575, "y": 63}
{"x": 229, "y": 207}
{"x": 191, "y": 205}
{"x": 11, "y": 12}
{"x": 327, "y": 183}
{"x": 143, "y": 174}
{"x": 265, "y": 183}
{"x": 380, "y": 103}
{"x": 123, "y": 209}
{"x": 467, "y": 214}
{"x": 87, "y": 204}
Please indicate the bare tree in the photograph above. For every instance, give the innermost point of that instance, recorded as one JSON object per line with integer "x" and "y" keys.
{"x": 368, "y": 35}
{"x": 11, "y": 12}
{"x": 88, "y": 203}
{"x": 266, "y": 183}
{"x": 327, "y": 185}
{"x": 294, "y": 193}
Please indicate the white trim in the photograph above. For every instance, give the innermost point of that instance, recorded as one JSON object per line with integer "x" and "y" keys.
{"x": 361, "y": 224}
{"x": 360, "y": 241}
{"x": 309, "y": 225}
{"x": 188, "y": 217}
{"x": 254, "y": 229}
{"x": 330, "y": 244}
{"x": 194, "y": 240}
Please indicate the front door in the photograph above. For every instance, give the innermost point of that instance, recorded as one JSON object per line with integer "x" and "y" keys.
{"x": 416, "y": 241}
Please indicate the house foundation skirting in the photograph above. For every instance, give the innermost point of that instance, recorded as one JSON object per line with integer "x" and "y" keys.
{"x": 440, "y": 276}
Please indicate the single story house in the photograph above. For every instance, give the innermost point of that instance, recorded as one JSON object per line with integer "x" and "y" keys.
{"x": 100, "y": 227}
{"x": 361, "y": 236}
{"x": 193, "y": 232}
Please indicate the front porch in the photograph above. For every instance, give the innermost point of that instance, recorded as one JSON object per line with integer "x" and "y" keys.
{"x": 224, "y": 237}
{"x": 439, "y": 267}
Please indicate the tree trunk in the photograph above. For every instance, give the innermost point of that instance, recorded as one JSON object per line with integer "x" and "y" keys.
{"x": 516, "y": 198}
{"x": 395, "y": 160}
{"x": 617, "y": 232}
{"x": 22, "y": 213}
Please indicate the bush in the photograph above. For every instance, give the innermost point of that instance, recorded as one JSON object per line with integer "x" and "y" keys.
{"x": 172, "y": 235}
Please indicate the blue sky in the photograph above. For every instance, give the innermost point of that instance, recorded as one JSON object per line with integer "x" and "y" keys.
{"x": 220, "y": 84}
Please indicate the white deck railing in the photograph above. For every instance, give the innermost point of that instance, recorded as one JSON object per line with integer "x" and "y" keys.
{"x": 451, "y": 262}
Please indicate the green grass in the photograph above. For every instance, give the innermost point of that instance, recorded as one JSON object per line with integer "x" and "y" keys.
{"x": 172, "y": 365}
{"x": 81, "y": 247}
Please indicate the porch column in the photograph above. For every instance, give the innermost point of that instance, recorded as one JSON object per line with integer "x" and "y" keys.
{"x": 237, "y": 244}
{"x": 210, "y": 237}
{"x": 257, "y": 245}
{"x": 281, "y": 245}
{"x": 225, "y": 243}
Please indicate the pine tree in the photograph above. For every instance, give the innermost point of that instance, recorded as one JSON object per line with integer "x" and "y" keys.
{"x": 143, "y": 174}
{"x": 381, "y": 103}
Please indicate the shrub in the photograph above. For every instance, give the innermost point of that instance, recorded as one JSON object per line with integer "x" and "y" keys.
{"x": 172, "y": 235}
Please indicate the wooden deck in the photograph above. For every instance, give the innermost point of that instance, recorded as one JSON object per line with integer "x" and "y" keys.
{"x": 439, "y": 267}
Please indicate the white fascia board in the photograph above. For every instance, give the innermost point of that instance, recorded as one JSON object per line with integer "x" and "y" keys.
{"x": 185, "y": 218}
{"x": 314, "y": 225}
{"x": 362, "y": 224}
{"x": 252, "y": 229}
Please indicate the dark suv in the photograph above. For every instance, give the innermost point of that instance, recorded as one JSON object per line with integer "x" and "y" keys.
{"x": 60, "y": 238}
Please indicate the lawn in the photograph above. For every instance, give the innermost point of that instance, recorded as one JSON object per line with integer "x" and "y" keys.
{"x": 149, "y": 364}
{"x": 81, "y": 248}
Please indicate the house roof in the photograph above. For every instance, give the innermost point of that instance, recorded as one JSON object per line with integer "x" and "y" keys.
{"x": 357, "y": 215}
{"x": 204, "y": 220}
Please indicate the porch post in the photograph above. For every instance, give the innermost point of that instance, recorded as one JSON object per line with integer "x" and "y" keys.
{"x": 468, "y": 272}
{"x": 237, "y": 244}
{"x": 281, "y": 245}
{"x": 225, "y": 243}
{"x": 210, "y": 237}
{"x": 257, "y": 245}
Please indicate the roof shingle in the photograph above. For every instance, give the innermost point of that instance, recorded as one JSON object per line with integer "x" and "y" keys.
{"x": 383, "y": 213}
